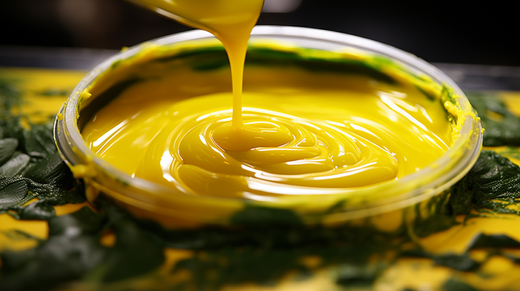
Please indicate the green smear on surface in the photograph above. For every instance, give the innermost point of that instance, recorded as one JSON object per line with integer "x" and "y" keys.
{"x": 256, "y": 253}
{"x": 493, "y": 184}
{"x": 30, "y": 166}
{"x": 215, "y": 57}
{"x": 502, "y": 127}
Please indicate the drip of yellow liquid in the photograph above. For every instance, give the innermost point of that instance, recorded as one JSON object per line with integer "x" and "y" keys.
{"x": 231, "y": 21}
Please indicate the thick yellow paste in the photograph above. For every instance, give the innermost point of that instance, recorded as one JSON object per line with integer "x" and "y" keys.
{"x": 310, "y": 132}
{"x": 292, "y": 132}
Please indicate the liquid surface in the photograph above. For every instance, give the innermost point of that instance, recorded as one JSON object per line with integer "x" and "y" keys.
{"x": 310, "y": 133}
{"x": 277, "y": 139}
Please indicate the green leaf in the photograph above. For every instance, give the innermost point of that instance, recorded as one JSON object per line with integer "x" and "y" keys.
{"x": 493, "y": 241}
{"x": 56, "y": 261}
{"x": 493, "y": 183}
{"x": 433, "y": 224}
{"x": 15, "y": 260}
{"x": 38, "y": 210}
{"x": 71, "y": 251}
{"x": 213, "y": 269}
{"x": 13, "y": 190}
{"x": 15, "y": 165}
{"x": 502, "y": 127}
{"x": 9, "y": 96}
{"x": 82, "y": 222}
{"x": 457, "y": 262}
{"x": 357, "y": 275}
{"x": 38, "y": 141}
{"x": 434, "y": 216}
{"x": 134, "y": 253}
{"x": 454, "y": 285}
{"x": 10, "y": 127}
{"x": 256, "y": 216}
{"x": 495, "y": 177}
{"x": 51, "y": 170}
{"x": 53, "y": 182}
{"x": 7, "y": 148}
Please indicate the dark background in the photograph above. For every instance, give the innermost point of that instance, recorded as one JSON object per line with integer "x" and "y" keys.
{"x": 469, "y": 32}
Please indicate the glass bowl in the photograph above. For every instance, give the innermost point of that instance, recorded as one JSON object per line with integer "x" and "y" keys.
{"x": 177, "y": 208}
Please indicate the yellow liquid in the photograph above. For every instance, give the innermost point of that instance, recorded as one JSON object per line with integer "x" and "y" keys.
{"x": 298, "y": 134}
{"x": 316, "y": 132}
{"x": 231, "y": 21}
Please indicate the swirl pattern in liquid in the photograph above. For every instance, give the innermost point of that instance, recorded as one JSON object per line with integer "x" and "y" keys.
{"x": 304, "y": 133}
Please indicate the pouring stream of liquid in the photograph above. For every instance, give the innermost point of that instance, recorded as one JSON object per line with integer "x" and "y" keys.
{"x": 231, "y": 21}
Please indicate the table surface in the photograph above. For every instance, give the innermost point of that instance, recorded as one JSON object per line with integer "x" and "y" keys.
{"x": 495, "y": 271}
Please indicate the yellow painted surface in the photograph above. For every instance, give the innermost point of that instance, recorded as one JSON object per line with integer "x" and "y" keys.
{"x": 497, "y": 273}
{"x": 512, "y": 100}
{"x": 37, "y": 107}
{"x": 262, "y": 122}
{"x": 457, "y": 238}
{"x": 12, "y": 240}
{"x": 321, "y": 280}
{"x": 415, "y": 274}
{"x": 70, "y": 208}
{"x": 44, "y": 90}
{"x": 412, "y": 273}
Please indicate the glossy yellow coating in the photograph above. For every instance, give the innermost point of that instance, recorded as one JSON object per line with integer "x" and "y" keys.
{"x": 308, "y": 132}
